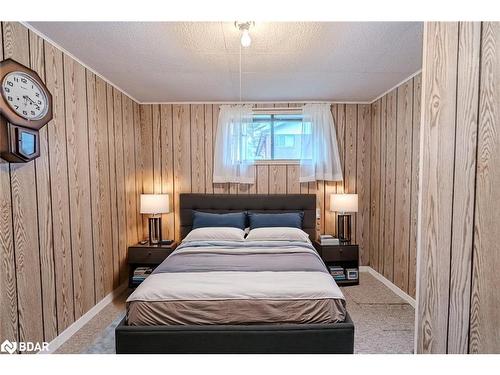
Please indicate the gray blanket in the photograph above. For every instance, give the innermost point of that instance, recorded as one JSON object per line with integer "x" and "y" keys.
{"x": 235, "y": 256}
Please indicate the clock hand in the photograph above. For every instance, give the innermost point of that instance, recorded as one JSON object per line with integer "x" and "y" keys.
{"x": 27, "y": 97}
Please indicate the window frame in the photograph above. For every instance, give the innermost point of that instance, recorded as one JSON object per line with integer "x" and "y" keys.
{"x": 272, "y": 120}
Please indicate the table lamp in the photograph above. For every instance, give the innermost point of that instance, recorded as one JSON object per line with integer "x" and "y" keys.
{"x": 154, "y": 205}
{"x": 344, "y": 205}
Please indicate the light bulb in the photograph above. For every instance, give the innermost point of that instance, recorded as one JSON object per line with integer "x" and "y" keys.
{"x": 245, "y": 38}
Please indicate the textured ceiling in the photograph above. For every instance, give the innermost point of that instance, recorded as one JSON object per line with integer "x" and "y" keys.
{"x": 199, "y": 61}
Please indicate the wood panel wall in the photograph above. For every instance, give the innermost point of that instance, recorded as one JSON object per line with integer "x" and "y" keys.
{"x": 458, "y": 308}
{"x": 176, "y": 156}
{"x": 395, "y": 125}
{"x": 66, "y": 218}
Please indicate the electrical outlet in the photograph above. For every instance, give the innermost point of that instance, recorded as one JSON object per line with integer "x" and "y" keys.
{"x": 318, "y": 213}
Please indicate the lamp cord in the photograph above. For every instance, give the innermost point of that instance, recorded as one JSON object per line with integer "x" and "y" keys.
{"x": 240, "y": 72}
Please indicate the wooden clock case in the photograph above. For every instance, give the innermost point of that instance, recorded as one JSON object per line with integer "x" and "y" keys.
{"x": 13, "y": 127}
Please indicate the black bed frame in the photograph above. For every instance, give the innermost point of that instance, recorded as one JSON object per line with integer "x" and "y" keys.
{"x": 336, "y": 338}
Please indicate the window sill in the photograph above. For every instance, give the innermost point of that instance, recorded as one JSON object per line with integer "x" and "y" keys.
{"x": 278, "y": 162}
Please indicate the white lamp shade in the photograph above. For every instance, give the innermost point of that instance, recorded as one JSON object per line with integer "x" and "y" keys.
{"x": 344, "y": 202}
{"x": 154, "y": 204}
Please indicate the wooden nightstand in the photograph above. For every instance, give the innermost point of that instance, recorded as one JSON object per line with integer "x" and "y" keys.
{"x": 146, "y": 255}
{"x": 345, "y": 256}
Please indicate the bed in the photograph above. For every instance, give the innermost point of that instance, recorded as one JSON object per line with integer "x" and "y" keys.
{"x": 239, "y": 297}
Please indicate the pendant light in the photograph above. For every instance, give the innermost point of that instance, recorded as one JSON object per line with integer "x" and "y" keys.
{"x": 244, "y": 27}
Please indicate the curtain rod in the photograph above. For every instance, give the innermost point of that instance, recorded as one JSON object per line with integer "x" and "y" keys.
{"x": 278, "y": 109}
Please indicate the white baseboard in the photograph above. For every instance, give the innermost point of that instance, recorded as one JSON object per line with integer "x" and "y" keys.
{"x": 389, "y": 284}
{"x": 73, "y": 328}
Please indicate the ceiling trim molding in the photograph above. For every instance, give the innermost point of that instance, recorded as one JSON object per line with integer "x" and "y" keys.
{"x": 396, "y": 86}
{"x": 63, "y": 50}
{"x": 263, "y": 102}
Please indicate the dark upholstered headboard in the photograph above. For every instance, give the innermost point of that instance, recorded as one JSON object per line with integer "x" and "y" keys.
{"x": 267, "y": 203}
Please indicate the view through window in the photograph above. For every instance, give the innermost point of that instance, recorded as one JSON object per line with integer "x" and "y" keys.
{"x": 276, "y": 137}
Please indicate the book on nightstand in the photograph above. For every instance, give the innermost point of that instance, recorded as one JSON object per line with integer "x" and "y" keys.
{"x": 337, "y": 272}
{"x": 140, "y": 274}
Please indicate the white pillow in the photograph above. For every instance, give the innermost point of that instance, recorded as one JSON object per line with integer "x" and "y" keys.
{"x": 277, "y": 234}
{"x": 215, "y": 234}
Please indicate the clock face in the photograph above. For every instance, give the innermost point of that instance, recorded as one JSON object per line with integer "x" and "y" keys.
{"x": 25, "y": 96}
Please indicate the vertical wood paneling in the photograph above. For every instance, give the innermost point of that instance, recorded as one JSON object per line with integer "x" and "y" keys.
{"x": 45, "y": 234}
{"x": 262, "y": 179}
{"x": 147, "y": 167}
{"x": 243, "y": 188}
{"x": 383, "y": 164}
{"x": 363, "y": 159}
{"x": 167, "y": 167}
{"x": 277, "y": 179}
{"x": 390, "y": 177}
{"x": 412, "y": 267}
{"x": 8, "y": 291}
{"x": 104, "y": 265}
{"x": 120, "y": 184}
{"x": 138, "y": 168}
{"x": 350, "y": 157}
{"x": 485, "y": 299}
{"x": 375, "y": 184}
{"x": 23, "y": 190}
{"x": 458, "y": 310}
{"x": 437, "y": 145}
{"x": 464, "y": 185}
{"x": 395, "y": 139}
{"x": 130, "y": 169}
{"x": 59, "y": 183}
{"x": 197, "y": 148}
{"x": 113, "y": 186}
{"x": 182, "y": 156}
{"x": 233, "y": 188}
{"x": 209, "y": 152}
{"x": 252, "y": 188}
{"x": 292, "y": 183}
{"x": 94, "y": 183}
{"x": 79, "y": 185}
{"x": 403, "y": 184}
{"x": 156, "y": 142}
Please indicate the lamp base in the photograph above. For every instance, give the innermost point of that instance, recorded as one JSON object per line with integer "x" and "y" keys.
{"x": 154, "y": 230}
{"x": 344, "y": 228}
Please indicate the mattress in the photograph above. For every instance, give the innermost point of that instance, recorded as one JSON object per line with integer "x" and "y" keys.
{"x": 221, "y": 282}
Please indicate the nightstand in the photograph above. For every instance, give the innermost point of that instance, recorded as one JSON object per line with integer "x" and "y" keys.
{"x": 345, "y": 256}
{"x": 146, "y": 256}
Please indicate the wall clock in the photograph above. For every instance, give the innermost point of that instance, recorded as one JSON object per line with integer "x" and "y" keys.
{"x": 26, "y": 106}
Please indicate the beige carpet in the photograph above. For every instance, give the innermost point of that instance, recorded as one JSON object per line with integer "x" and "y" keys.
{"x": 384, "y": 322}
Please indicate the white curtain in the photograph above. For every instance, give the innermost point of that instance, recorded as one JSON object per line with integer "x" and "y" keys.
{"x": 319, "y": 158}
{"x": 232, "y": 161}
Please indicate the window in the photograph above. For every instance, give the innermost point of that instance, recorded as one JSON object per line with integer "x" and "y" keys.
{"x": 275, "y": 137}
